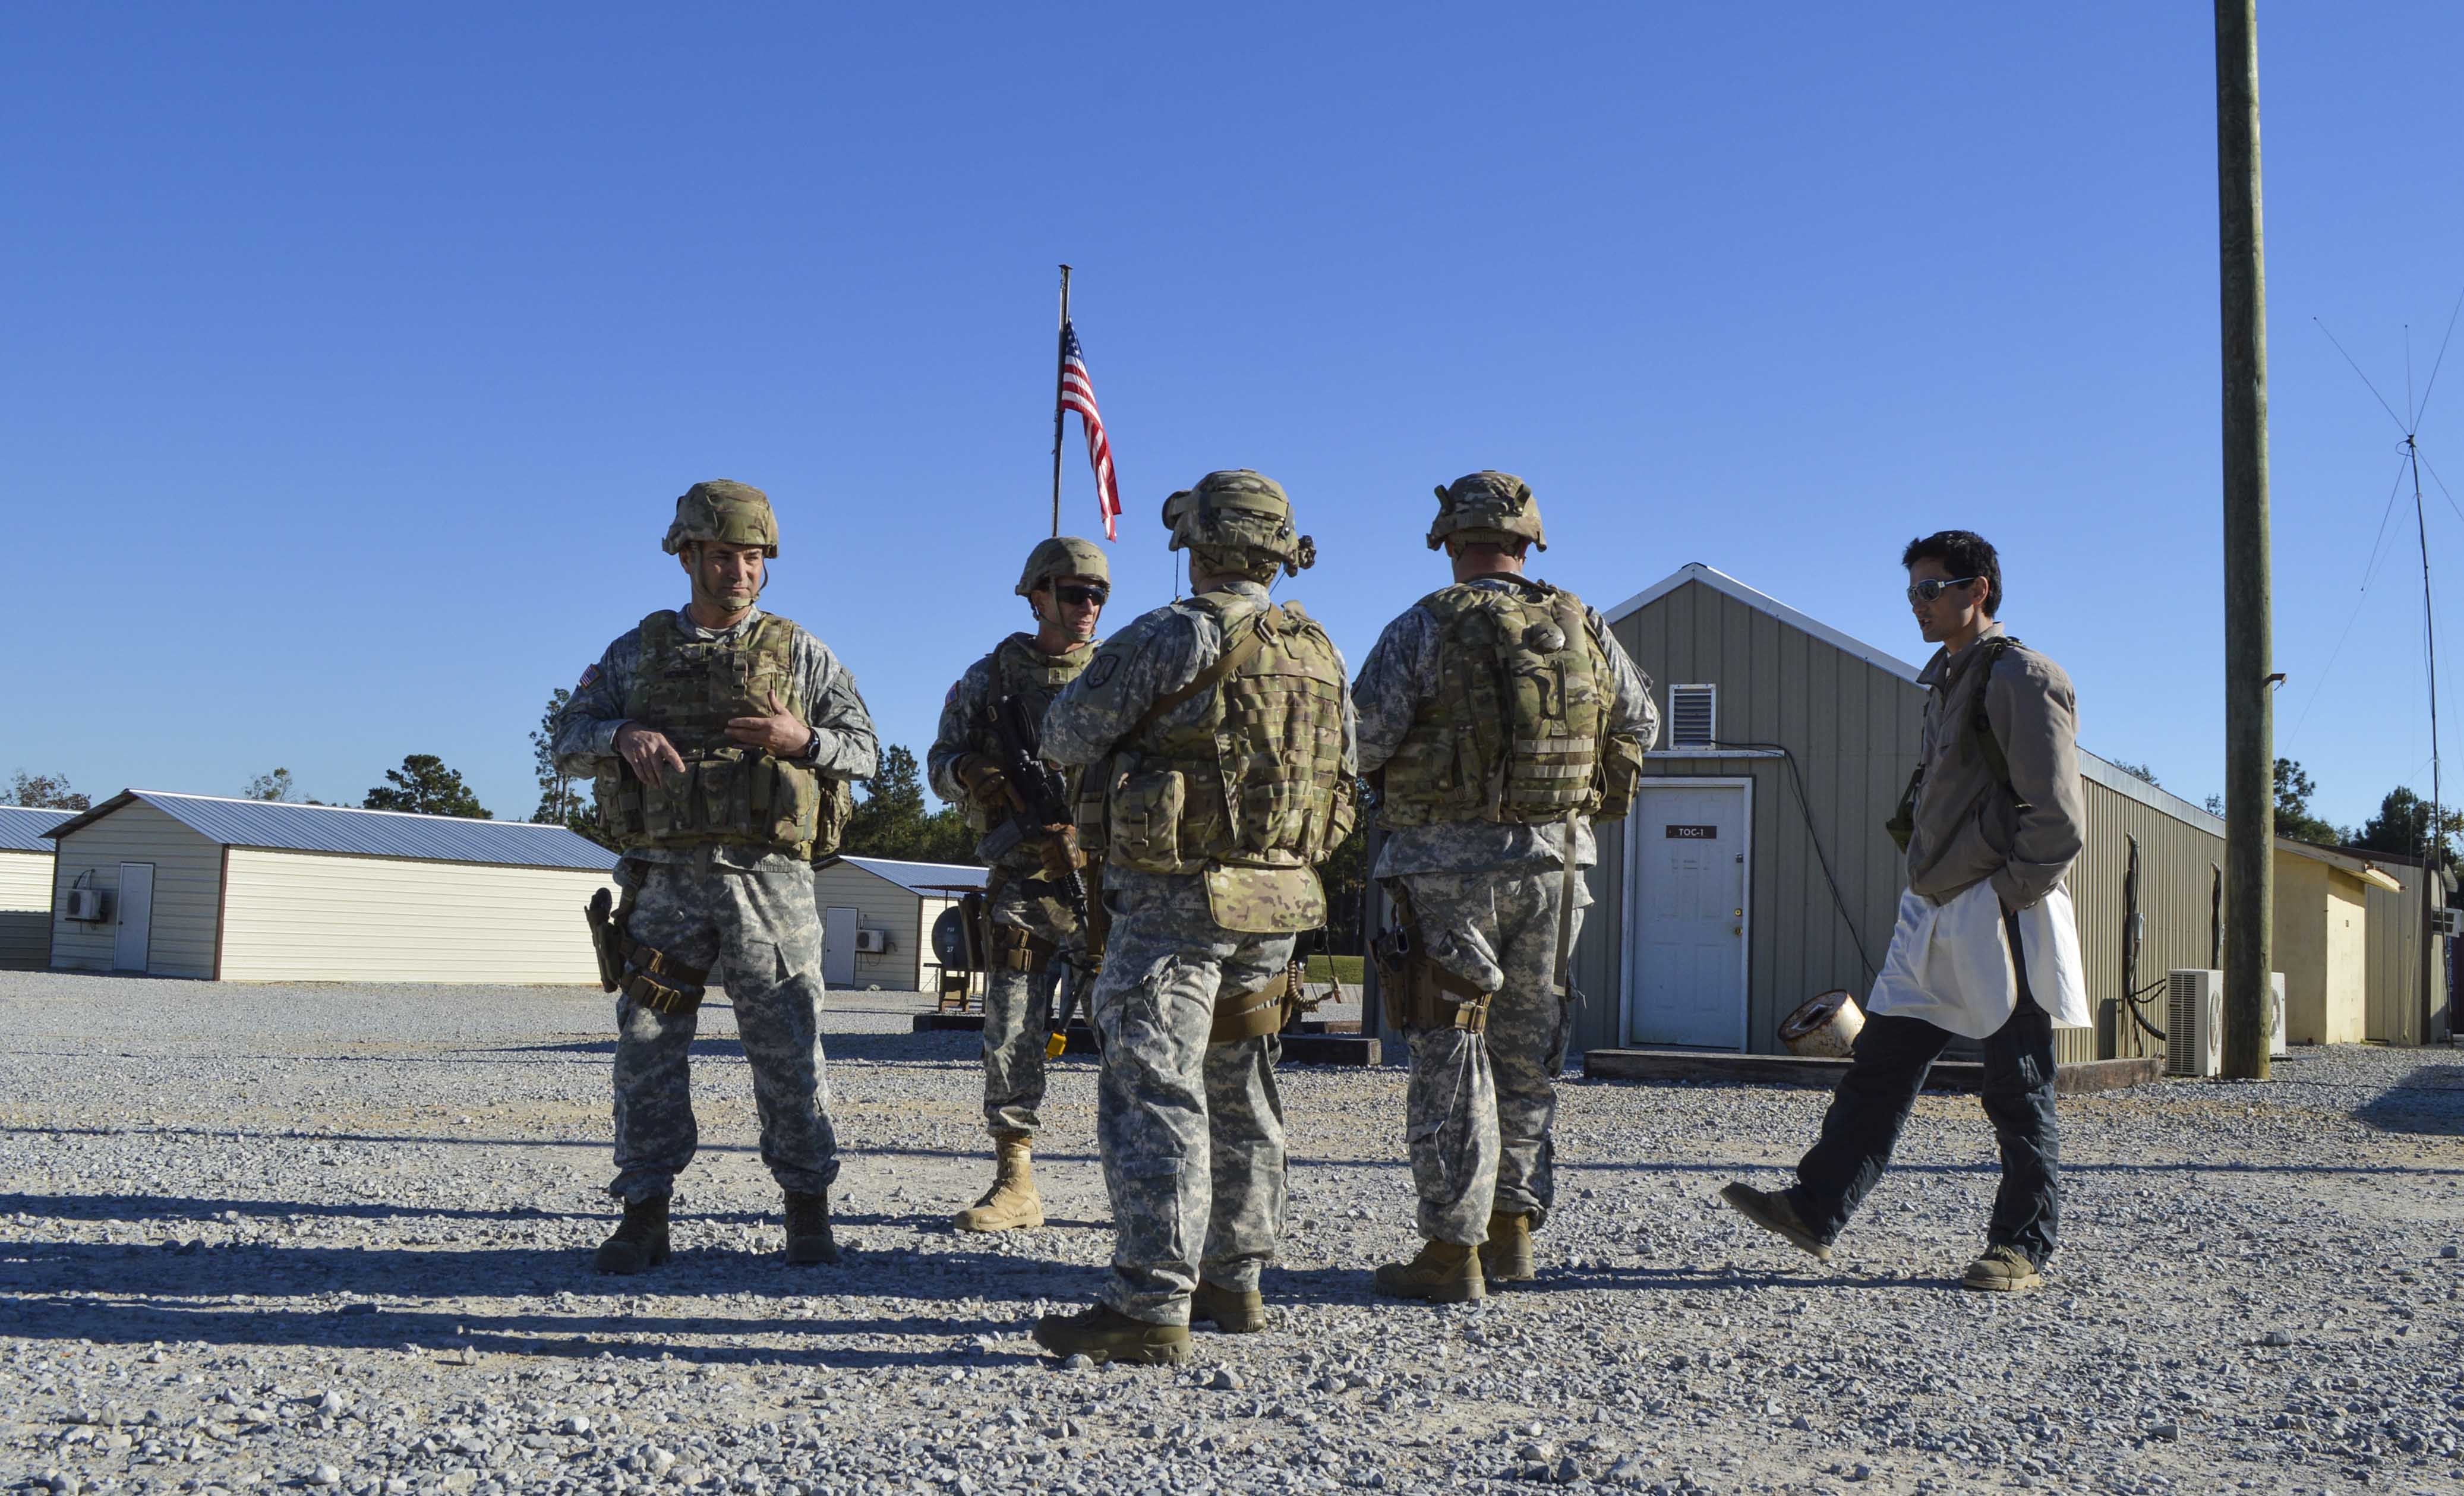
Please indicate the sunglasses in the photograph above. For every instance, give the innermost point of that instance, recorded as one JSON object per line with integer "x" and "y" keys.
{"x": 1080, "y": 596}
{"x": 1933, "y": 588}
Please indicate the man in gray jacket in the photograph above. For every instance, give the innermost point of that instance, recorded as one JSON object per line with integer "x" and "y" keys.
{"x": 1987, "y": 946}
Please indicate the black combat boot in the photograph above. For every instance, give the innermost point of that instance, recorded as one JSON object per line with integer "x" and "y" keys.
{"x": 640, "y": 1241}
{"x": 808, "y": 1230}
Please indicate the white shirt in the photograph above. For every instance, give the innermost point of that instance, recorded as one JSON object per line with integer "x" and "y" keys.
{"x": 1950, "y": 965}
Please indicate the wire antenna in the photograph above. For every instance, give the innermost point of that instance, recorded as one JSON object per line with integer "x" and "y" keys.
{"x": 2434, "y": 854}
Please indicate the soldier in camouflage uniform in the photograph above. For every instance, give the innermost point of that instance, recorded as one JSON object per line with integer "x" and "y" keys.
{"x": 1500, "y": 716}
{"x": 1217, "y": 739}
{"x": 1030, "y": 920}
{"x": 720, "y": 740}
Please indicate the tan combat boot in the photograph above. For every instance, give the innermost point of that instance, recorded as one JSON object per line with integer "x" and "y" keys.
{"x": 1011, "y": 1204}
{"x": 809, "y": 1239}
{"x": 1228, "y": 1309}
{"x": 1445, "y": 1272}
{"x": 2002, "y": 1269}
{"x": 640, "y": 1239}
{"x": 1506, "y": 1257}
{"x": 1104, "y": 1333}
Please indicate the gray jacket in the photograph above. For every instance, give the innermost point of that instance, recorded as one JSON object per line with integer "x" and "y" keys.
{"x": 1968, "y": 829}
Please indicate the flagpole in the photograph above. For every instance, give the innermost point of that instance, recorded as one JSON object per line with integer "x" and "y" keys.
{"x": 1060, "y": 370}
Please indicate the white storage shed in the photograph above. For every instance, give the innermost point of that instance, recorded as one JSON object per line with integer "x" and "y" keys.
{"x": 26, "y": 886}
{"x": 877, "y": 918}
{"x": 252, "y": 891}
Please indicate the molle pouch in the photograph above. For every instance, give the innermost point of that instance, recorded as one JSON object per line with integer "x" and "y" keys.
{"x": 1620, "y": 772}
{"x": 834, "y": 804}
{"x": 1266, "y": 900}
{"x": 795, "y": 802}
{"x": 668, "y": 807}
{"x": 1096, "y": 783}
{"x": 618, "y": 797}
{"x": 1343, "y": 812}
{"x": 1144, "y": 825}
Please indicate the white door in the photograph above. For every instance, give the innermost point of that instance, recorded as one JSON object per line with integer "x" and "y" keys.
{"x": 136, "y": 932}
{"x": 838, "y": 947}
{"x": 1686, "y": 953}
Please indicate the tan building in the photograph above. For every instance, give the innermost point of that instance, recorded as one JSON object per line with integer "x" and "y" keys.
{"x": 2321, "y": 943}
{"x": 250, "y": 891}
{"x": 877, "y": 915}
{"x": 26, "y": 886}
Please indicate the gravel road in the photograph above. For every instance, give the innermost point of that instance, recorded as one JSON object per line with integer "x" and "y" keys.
{"x": 338, "y": 1238}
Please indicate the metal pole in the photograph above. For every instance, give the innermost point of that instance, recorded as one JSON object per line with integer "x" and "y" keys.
{"x": 2250, "y": 723}
{"x": 2434, "y": 853}
{"x": 1060, "y": 372}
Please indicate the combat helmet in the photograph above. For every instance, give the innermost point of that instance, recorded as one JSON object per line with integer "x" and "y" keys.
{"x": 727, "y": 512}
{"x": 1496, "y": 507}
{"x": 1239, "y": 522}
{"x": 1063, "y": 556}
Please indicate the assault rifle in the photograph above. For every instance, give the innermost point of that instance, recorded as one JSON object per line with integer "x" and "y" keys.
{"x": 1040, "y": 797}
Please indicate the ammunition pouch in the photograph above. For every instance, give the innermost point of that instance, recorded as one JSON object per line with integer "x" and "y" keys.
{"x": 1011, "y": 947}
{"x": 1620, "y": 772}
{"x": 637, "y": 970}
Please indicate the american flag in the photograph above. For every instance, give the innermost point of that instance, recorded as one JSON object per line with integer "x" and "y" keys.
{"x": 1078, "y": 393}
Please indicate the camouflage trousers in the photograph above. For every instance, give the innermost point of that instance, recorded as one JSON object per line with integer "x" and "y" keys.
{"x": 1017, "y": 1006}
{"x": 759, "y": 935}
{"x": 1192, "y": 1133}
{"x": 1481, "y": 1108}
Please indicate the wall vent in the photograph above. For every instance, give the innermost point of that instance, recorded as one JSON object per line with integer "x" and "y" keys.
{"x": 1693, "y": 717}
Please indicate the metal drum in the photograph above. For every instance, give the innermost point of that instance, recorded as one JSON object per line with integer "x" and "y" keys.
{"x": 1825, "y": 1029}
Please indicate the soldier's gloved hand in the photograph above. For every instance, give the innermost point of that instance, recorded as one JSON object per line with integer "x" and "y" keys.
{"x": 1059, "y": 851}
{"x": 648, "y": 752}
{"x": 987, "y": 784}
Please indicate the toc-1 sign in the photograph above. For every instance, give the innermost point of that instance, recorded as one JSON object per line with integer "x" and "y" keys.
{"x": 1693, "y": 833}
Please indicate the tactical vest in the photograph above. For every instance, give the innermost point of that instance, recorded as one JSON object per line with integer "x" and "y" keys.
{"x": 1252, "y": 792}
{"x": 1021, "y": 669}
{"x": 729, "y": 794}
{"x": 1514, "y": 733}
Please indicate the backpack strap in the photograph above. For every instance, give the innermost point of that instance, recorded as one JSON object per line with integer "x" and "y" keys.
{"x": 1987, "y": 743}
{"x": 1237, "y": 651}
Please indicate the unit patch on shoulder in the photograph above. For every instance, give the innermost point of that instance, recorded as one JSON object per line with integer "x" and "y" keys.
{"x": 590, "y": 678}
{"x": 1101, "y": 670}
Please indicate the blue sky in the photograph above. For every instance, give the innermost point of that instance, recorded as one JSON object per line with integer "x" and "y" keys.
{"x": 354, "y": 359}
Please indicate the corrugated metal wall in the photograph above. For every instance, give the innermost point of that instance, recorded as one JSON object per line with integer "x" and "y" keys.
{"x": 1852, "y": 730}
{"x": 2398, "y": 927}
{"x": 327, "y": 917}
{"x": 25, "y": 910}
{"x": 188, "y": 884}
{"x": 2176, "y": 877}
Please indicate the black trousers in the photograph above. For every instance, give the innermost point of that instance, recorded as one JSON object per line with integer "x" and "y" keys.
{"x": 1873, "y": 1099}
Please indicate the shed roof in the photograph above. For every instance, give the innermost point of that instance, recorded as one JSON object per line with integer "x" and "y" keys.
{"x": 2091, "y": 767}
{"x": 2363, "y": 868}
{"x": 281, "y": 826}
{"x": 22, "y": 828}
{"x": 915, "y": 877}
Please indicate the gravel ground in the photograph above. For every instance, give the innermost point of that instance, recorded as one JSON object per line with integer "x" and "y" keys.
{"x": 333, "y": 1236}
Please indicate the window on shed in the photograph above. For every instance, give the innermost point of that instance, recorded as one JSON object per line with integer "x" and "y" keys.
{"x": 1693, "y": 717}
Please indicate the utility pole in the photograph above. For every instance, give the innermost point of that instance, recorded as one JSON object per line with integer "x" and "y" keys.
{"x": 2250, "y": 713}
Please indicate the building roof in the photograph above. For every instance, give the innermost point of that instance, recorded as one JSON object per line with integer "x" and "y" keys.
{"x": 280, "y": 826}
{"x": 2103, "y": 771}
{"x": 915, "y": 877}
{"x": 2365, "y": 869}
{"x": 22, "y": 828}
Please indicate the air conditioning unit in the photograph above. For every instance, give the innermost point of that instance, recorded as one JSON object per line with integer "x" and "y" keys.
{"x": 872, "y": 942}
{"x": 86, "y": 905}
{"x": 2447, "y": 922}
{"x": 2195, "y": 1021}
{"x": 2194, "y": 1026}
